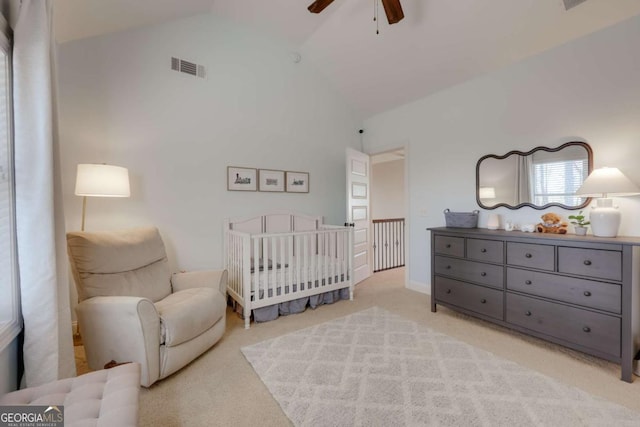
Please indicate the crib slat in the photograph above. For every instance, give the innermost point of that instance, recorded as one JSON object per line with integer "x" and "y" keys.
{"x": 245, "y": 243}
{"x": 290, "y": 256}
{"x": 268, "y": 243}
{"x": 327, "y": 257}
{"x": 339, "y": 239}
{"x": 297, "y": 274}
{"x": 314, "y": 262}
{"x": 280, "y": 265}
{"x": 256, "y": 286}
{"x": 323, "y": 257}
{"x": 339, "y": 254}
{"x": 306, "y": 261}
{"x": 232, "y": 262}
{"x": 265, "y": 267}
{"x": 274, "y": 268}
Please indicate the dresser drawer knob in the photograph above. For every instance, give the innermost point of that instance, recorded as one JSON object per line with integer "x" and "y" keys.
{"x": 483, "y": 250}
{"x": 448, "y": 245}
{"x": 527, "y": 282}
{"x": 484, "y": 301}
{"x": 587, "y": 262}
{"x": 586, "y": 329}
{"x": 587, "y": 293}
{"x": 448, "y": 291}
{"x": 483, "y": 274}
{"x": 527, "y": 313}
{"x": 528, "y": 255}
{"x": 448, "y": 267}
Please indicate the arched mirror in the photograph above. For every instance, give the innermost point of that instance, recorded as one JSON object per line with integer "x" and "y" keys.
{"x": 540, "y": 178}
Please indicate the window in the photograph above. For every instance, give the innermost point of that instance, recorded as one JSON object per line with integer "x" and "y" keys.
{"x": 558, "y": 181}
{"x": 10, "y": 323}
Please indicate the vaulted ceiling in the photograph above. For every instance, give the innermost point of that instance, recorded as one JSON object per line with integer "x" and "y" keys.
{"x": 440, "y": 43}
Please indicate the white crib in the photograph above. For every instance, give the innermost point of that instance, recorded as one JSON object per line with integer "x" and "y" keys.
{"x": 283, "y": 257}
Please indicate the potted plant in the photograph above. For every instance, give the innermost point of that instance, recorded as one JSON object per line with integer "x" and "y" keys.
{"x": 579, "y": 223}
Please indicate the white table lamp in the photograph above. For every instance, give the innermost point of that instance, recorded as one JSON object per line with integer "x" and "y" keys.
{"x": 603, "y": 183}
{"x": 95, "y": 180}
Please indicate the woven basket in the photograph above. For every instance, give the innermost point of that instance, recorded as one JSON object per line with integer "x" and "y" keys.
{"x": 461, "y": 219}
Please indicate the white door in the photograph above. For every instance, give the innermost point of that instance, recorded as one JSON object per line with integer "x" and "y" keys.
{"x": 358, "y": 211}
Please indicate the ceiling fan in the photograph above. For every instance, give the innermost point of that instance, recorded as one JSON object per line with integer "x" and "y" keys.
{"x": 392, "y": 8}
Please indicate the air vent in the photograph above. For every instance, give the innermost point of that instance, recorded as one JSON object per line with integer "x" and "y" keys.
{"x": 187, "y": 67}
{"x": 568, "y": 4}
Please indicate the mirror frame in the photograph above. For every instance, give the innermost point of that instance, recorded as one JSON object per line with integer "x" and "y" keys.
{"x": 521, "y": 153}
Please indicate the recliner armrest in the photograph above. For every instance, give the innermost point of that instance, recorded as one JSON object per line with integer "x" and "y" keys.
{"x": 216, "y": 279}
{"x": 124, "y": 329}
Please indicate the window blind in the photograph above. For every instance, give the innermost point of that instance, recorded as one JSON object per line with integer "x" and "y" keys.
{"x": 557, "y": 182}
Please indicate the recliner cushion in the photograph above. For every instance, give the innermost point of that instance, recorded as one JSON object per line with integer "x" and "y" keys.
{"x": 186, "y": 314}
{"x": 120, "y": 263}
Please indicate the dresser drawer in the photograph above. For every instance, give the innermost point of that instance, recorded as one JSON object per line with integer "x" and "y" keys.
{"x": 485, "y": 250}
{"x": 485, "y": 274}
{"x": 530, "y": 255}
{"x": 592, "y": 330}
{"x": 598, "y": 295}
{"x": 471, "y": 297}
{"x": 590, "y": 262}
{"x": 446, "y": 245}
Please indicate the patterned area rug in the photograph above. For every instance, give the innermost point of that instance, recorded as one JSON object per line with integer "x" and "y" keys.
{"x": 375, "y": 368}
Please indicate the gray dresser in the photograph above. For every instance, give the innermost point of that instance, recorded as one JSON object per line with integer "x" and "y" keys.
{"x": 580, "y": 292}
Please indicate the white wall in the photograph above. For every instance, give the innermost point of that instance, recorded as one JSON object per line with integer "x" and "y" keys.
{"x": 387, "y": 190}
{"x": 121, "y": 104}
{"x": 586, "y": 90}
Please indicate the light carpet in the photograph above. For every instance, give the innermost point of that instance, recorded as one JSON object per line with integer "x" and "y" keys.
{"x": 376, "y": 368}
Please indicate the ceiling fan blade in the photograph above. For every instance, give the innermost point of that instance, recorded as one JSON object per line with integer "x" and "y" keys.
{"x": 319, "y": 5}
{"x": 393, "y": 9}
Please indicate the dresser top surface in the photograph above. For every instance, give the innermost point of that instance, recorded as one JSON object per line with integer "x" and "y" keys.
{"x": 484, "y": 232}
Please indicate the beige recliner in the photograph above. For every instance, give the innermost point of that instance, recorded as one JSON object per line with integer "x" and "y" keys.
{"x": 132, "y": 309}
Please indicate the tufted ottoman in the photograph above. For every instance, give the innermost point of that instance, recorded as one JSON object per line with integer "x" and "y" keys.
{"x": 102, "y": 398}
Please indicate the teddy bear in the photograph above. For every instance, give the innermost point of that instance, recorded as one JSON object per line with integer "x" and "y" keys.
{"x": 552, "y": 223}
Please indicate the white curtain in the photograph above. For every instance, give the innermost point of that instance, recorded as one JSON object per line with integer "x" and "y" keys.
{"x": 524, "y": 181}
{"x": 44, "y": 287}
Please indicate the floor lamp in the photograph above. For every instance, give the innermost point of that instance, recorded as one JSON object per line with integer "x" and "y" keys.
{"x": 99, "y": 180}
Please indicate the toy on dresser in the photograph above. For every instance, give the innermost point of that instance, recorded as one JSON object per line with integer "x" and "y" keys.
{"x": 552, "y": 223}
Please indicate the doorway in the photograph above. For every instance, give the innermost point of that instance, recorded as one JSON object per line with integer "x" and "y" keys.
{"x": 389, "y": 210}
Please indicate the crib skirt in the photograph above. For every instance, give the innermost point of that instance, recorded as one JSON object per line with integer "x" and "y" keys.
{"x": 272, "y": 312}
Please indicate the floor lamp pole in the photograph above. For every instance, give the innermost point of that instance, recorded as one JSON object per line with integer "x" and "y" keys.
{"x": 84, "y": 208}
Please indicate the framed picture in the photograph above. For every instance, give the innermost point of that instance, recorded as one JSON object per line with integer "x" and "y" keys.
{"x": 271, "y": 180}
{"x": 297, "y": 182}
{"x": 241, "y": 179}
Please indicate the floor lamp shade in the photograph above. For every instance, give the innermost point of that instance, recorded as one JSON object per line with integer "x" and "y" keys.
{"x": 102, "y": 181}
{"x": 95, "y": 180}
{"x": 602, "y": 183}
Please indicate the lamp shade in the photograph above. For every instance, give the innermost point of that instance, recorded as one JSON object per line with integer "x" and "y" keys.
{"x": 605, "y": 182}
{"x": 102, "y": 181}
